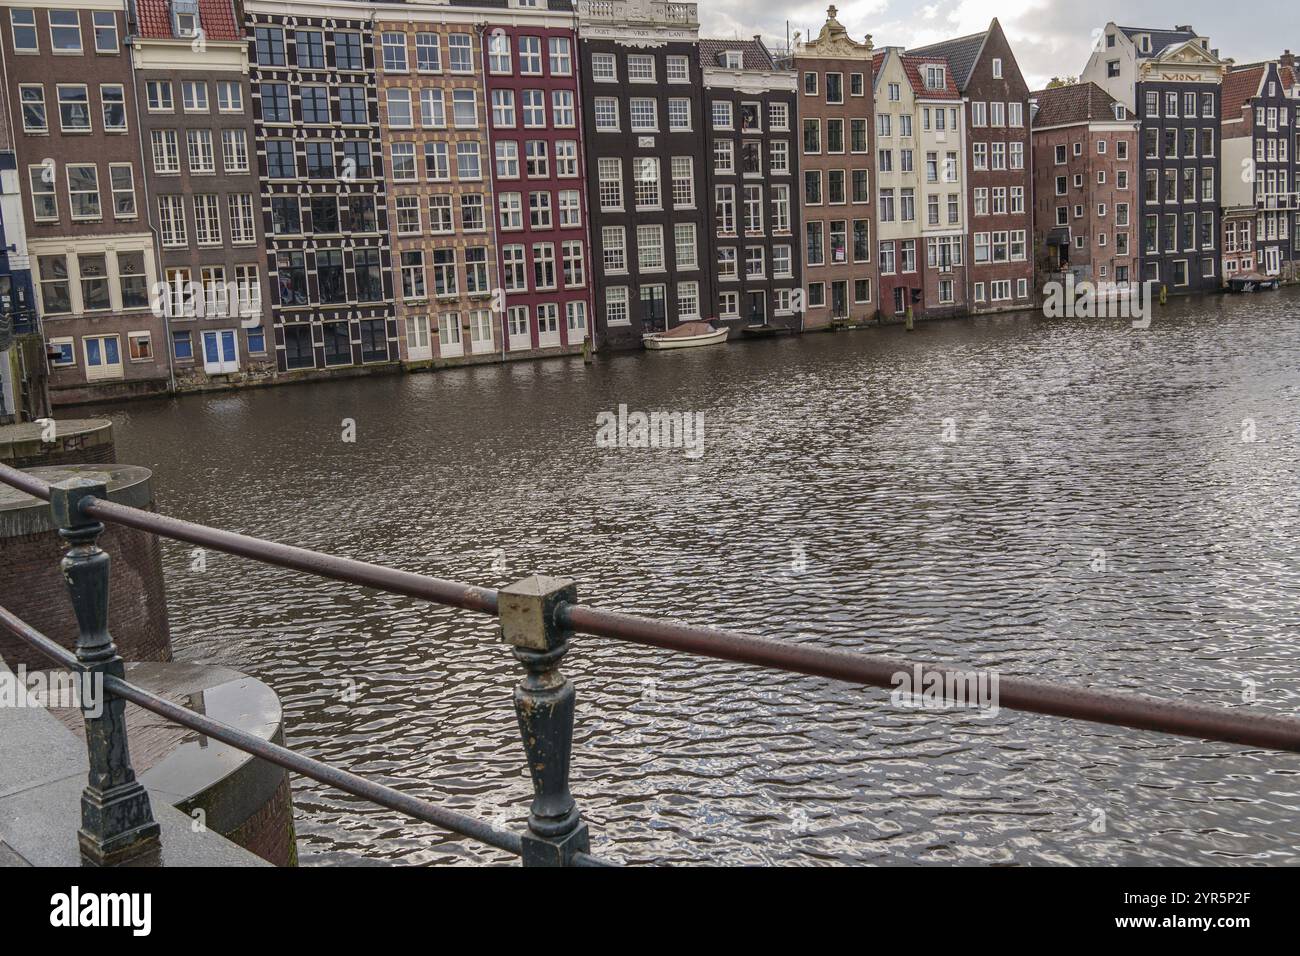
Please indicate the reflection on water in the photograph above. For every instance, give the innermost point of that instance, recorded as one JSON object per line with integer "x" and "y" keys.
{"x": 826, "y": 507}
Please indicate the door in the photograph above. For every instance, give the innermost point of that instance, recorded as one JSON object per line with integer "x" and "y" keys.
{"x": 900, "y": 303}
{"x": 654, "y": 309}
{"x": 220, "y": 352}
{"x": 418, "y": 346}
{"x": 1272, "y": 261}
{"x": 839, "y": 300}
{"x": 103, "y": 357}
{"x": 756, "y": 311}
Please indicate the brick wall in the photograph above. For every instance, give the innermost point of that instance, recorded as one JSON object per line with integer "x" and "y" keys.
{"x": 32, "y": 587}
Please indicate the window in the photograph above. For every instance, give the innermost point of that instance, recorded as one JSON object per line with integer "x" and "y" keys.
{"x": 544, "y": 276}
{"x": 269, "y": 44}
{"x": 347, "y": 50}
{"x": 563, "y": 110}
{"x": 834, "y": 87}
{"x": 56, "y": 297}
{"x": 468, "y": 161}
{"x": 241, "y": 218}
{"x": 610, "y": 183}
{"x": 464, "y": 109}
{"x": 561, "y": 56}
{"x": 234, "y": 150}
{"x": 316, "y": 105}
{"x": 433, "y": 109}
{"x": 33, "y": 106}
{"x": 606, "y": 110}
{"x": 640, "y": 68}
{"x": 230, "y": 97}
{"x": 473, "y": 213}
{"x": 722, "y": 114}
{"x": 65, "y": 31}
{"x": 185, "y": 18}
{"x": 683, "y": 184}
{"x": 539, "y": 210}
{"x": 23, "y": 24}
{"x": 194, "y": 96}
{"x": 460, "y": 56}
{"x": 428, "y": 55}
{"x": 413, "y": 278}
{"x": 503, "y": 108}
{"x": 507, "y": 159}
{"x": 530, "y": 56}
{"x": 650, "y": 248}
{"x": 614, "y": 248}
{"x": 679, "y": 114}
{"x": 276, "y": 106}
{"x": 74, "y": 107}
{"x": 537, "y": 159}
{"x": 393, "y": 46}
{"x": 320, "y": 159}
{"x": 440, "y": 220}
{"x": 171, "y": 214}
{"x": 678, "y": 69}
{"x": 643, "y": 114}
{"x": 725, "y": 209}
{"x": 83, "y": 191}
{"x": 645, "y": 178}
{"x": 166, "y": 151}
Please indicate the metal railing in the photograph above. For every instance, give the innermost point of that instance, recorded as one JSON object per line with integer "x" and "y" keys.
{"x": 538, "y": 617}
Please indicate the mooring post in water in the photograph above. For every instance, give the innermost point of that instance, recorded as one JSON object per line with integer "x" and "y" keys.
{"x": 544, "y": 702}
{"x": 117, "y": 821}
{"x": 908, "y": 324}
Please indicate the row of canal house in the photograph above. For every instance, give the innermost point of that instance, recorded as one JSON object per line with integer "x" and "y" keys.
{"x": 323, "y": 188}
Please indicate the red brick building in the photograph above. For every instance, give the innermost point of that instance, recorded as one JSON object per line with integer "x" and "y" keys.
{"x": 1084, "y": 185}
{"x": 837, "y": 108}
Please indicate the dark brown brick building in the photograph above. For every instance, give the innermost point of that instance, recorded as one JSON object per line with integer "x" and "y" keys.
{"x": 78, "y": 154}
{"x": 196, "y": 124}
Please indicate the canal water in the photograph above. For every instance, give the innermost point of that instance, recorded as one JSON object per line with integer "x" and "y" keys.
{"x": 1068, "y": 499}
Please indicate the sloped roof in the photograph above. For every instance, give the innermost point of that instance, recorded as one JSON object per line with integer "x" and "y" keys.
{"x": 1073, "y": 104}
{"x": 754, "y": 55}
{"x": 1239, "y": 87}
{"x": 1161, "y": 40}
{"x": 912, "y": 66}
{"x": 216, "y": 17}
{"x": 961, "y": 54}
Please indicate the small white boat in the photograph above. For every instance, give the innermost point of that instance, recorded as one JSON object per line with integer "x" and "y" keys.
{"x": 688, "y": 335}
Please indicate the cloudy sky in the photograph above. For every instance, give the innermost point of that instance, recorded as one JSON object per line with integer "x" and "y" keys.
{"x": 1050, "y": 37}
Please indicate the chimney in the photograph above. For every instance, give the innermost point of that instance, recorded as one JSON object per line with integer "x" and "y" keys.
{"x": 1184, "y": 28}
{"x": 1287, "y": 59}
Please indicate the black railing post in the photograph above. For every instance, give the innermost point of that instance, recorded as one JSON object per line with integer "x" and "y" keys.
{"x": 544, "y": 703}
{"x": 117, "y": 821}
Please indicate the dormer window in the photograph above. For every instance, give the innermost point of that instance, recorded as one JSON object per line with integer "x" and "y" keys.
{"x": 935, "y": 78}
{"x": 1144, "y": 43}
{"x": 733, "y": 59}
{"x": 185, "y": 18}
{"x": 1121, "y": 112}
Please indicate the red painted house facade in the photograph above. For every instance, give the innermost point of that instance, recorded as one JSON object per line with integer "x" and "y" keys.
{"x": 538, "y": 181}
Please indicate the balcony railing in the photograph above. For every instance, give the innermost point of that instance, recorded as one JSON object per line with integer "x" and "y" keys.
{"x": 642, "y": 11}
{"x": 538, "y": 617}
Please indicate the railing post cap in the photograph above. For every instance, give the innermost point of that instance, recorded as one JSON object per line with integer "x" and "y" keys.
{"x": 66, "y": 497}
{"x": 527, "y": 608}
